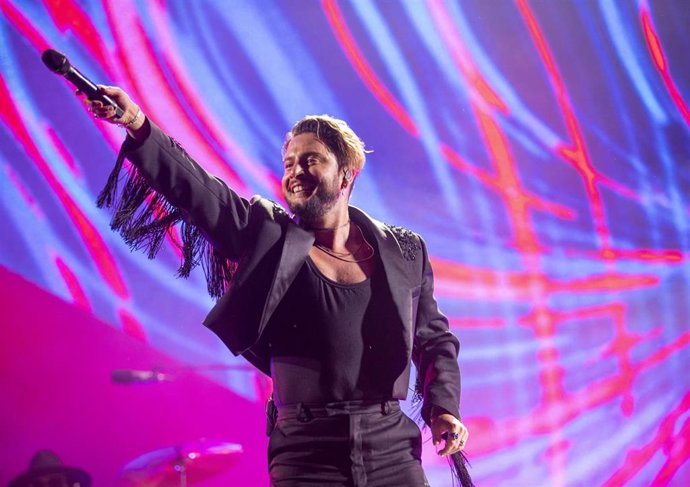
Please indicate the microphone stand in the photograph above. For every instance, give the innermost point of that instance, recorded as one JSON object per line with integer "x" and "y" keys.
{"x": 159, "y": 373}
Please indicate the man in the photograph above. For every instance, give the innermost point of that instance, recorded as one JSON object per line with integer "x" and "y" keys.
{"x": 332, "y": 304}
{"x": 47, "y": 470}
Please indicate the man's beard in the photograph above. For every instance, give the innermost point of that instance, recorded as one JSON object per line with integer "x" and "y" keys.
{"x": 317, "y": 205}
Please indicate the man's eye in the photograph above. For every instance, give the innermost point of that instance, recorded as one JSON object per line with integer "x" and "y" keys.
{"x": 312, "y": 160}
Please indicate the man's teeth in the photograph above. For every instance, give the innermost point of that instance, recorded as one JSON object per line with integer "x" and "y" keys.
{"x": 298, "y": 188}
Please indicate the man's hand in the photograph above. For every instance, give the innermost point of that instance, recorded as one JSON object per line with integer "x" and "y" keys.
{"x": 447, "y": 427}
{"x": 132, "y": 118}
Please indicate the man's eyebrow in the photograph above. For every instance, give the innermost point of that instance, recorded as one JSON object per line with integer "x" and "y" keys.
{"x": 306, "y": 154}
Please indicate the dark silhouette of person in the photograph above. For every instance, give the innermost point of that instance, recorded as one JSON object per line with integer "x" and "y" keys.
{"x": 47, "y": 470}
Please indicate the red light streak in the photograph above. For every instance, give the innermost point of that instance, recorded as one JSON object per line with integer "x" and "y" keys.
{"x": 495, "y": 183}
{"x": 24, "y": 192}
{"x": 93, "y": 241}
{"x": 22, "y": 24}
{"x": 131, "y": 326}
{"x": 196, "y": 101}
{"x": 657, "y": 52}
{"x": 73, "y": 285}
{"x": 490, "y": 435}
{"x": 576, "y": 153}
{"x": 665, "y": 436}
{"x": 69, "y": 16}
{"x": 359, "y": 62}
{"x": 128, "y": 31}
{"x": 465, "y": 281}
{"x": 65, "y": 154}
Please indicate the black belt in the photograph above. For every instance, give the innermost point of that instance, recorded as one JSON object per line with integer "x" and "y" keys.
{"x": 305, "y": 411}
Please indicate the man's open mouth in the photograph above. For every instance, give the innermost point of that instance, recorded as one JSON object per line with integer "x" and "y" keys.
{"x": 301, "y": 189}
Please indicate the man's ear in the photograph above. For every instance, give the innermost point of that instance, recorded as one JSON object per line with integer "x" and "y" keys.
{"x": 347, "y": 177}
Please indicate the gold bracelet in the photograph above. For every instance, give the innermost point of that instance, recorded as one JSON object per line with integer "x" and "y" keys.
{"x": 136, "y": 117}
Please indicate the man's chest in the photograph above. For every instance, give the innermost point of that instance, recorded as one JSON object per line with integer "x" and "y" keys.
{"x": 343, "y": 270}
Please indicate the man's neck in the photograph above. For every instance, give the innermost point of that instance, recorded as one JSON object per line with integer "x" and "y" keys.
{"x": 332, "y": 230}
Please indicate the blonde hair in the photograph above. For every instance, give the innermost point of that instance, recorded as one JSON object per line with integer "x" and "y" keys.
{"x": 347, "y": 147}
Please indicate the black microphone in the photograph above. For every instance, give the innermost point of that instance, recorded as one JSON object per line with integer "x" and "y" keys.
{"x": 59, "y": 64}
{"x": 128, "y": 376}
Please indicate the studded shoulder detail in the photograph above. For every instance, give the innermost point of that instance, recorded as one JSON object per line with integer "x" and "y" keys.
{"x": 407, "y": 240}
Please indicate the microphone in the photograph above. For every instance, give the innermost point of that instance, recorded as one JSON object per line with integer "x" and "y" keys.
{"x": 128, "y": 376}
{"x": 59, "y": 64}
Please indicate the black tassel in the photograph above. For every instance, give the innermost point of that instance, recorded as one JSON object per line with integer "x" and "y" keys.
{"x": 143, "y": 217}
{"x": 458, "y": 463}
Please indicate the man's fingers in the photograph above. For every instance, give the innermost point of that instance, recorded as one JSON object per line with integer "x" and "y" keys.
{"x": 463, "y": 435}
{"x": 113, "y": 92}
{"x": 109, "y": 90}
{"x": 452, "y": 444}
{"x": 447, "y": 449}
{"x": 99, "y": 110}
{"x": 454, "y": 440}
{"x": 104, "y": 112}
{"x": 436, "y": 436}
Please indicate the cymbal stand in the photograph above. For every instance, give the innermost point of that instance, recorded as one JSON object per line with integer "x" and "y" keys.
{"x": 181, "y": 467}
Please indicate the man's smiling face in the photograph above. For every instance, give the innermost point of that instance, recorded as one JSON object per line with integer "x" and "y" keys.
{"x": 311, "y": 181}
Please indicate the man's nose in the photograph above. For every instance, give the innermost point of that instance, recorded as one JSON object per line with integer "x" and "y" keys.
{"x": 298, "y": 169}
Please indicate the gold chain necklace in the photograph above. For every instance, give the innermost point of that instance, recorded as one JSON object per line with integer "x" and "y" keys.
{"x": 342, "y": 256}
{"x": 316, "y": 229}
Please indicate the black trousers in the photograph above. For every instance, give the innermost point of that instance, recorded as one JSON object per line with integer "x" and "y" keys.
{"x": 345, "y": 444}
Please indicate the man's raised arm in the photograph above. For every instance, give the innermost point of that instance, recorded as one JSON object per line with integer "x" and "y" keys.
{"x": 166, "y": 187}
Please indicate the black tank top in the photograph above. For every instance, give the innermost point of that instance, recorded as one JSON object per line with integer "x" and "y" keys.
{"x": 326, "y": 339}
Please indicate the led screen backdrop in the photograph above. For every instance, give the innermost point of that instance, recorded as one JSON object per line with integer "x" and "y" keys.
{"x": 542, "y": 148}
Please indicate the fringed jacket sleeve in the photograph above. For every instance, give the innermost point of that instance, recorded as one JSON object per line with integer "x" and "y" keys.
{"x": 165, "y": 187}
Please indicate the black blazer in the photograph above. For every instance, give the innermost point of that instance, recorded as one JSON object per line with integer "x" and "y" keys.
{"x": 259, "y": 249}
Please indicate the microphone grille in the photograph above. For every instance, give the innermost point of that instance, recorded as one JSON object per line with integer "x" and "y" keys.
{"x": 55, "y": 61}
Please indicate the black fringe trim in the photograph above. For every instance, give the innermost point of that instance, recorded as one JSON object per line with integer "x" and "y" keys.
{"x": 143, "y": 217}
{"x": 417, "y": 401}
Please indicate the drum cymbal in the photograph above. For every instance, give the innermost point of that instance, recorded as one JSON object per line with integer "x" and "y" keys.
{"x": 193, "y": 461}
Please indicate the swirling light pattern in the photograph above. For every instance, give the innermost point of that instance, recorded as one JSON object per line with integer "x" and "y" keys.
{"x": 542, "y": 148}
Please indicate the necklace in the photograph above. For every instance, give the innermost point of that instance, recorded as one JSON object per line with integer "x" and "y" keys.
{"x": 342, "y": 256}
{"x": 330, "y": 229}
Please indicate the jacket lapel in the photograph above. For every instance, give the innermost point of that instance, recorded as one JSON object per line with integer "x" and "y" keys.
{"x": 295, "y": 250}
{"x": 393, "y": 264}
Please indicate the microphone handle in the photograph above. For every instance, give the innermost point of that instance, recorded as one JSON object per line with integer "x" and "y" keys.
{"x": 91, "y": 90}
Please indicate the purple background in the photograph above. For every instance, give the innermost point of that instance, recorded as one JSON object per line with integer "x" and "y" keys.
{"x": 541, "y": 148}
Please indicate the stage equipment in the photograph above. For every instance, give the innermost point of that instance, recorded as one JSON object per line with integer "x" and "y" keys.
{"x": 160, "y": 374}
{"x": 182, "y": 465}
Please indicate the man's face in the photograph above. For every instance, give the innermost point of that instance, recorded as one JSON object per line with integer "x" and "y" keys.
{"x": 311, "y": 181}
